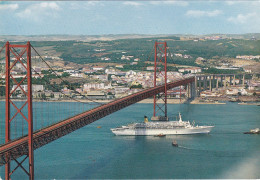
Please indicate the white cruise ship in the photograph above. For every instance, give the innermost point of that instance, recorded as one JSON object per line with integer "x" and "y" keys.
{"x": 161, "y": 128}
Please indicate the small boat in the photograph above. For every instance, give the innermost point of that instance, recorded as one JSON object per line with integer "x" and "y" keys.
{"x": 160, "y": 135}
{"x": 174, "y": 143}
{"x": 253, "y": 131}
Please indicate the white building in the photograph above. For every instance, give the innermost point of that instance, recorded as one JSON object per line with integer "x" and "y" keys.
{"x": 131, "y": 72}
{"x": 122, "y": 90}
{"x": 80, "y": 75}
{"x": 191, "y": 70}
{"x": 150, "y": 68}
{"x": 119, "y": 66}
{"x": 110, "y": 71}
{"x": 248, "y": 57}
{"x": 88, "y": 86}
{"x": 98, "y": 68}
{"x": 177, "y": 54}
{"x": 35, "y": 88}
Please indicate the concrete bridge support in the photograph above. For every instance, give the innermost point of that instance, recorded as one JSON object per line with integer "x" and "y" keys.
{"x": 213, "y": 82}
{"x": 188, "y": 90}
{"x": 225, "y": 82}
{"x": 196, "y": 84}
{"x": 210, "y": 88}
{"x": 216, "y": 81}
{"x": 217, "y": 84}
{"x": 199, "y": 85}
{"x": 240, "y": 79}
{"x": 243, "y": 80}
{"x": 204, "y": 83}
{"x": 221, "y": 80}
{"x": 193, "y": 91}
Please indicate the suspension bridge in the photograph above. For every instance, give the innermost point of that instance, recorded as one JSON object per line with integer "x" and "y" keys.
{"x": 23, "y": 131}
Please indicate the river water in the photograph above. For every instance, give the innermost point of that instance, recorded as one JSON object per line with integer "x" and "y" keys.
{"x": 96, "y": 153}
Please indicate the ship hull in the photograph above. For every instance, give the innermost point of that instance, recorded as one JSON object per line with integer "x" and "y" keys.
{"x": 151, "y": 132}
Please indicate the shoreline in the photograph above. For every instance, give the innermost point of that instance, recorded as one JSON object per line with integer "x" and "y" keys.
{"x": 148, "y": 101}
{"x": 255, "y": 103}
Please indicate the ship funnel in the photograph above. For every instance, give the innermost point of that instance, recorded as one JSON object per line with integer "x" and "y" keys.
{"x": 145, "y": 119}
{"x": 180, "y": 120}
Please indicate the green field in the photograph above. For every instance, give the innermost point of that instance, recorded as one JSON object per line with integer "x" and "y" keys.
{"x": 142, "y": 48}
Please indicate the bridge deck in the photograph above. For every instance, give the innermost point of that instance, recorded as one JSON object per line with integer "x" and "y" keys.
{"x": 19, "y": 147}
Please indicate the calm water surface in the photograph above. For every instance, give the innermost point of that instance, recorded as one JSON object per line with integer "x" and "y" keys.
{"x": 93, "y": 153}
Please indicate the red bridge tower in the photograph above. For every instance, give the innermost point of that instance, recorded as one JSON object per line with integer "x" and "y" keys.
{"x": 160, "y": 60}
{"x": 17, "y": 51}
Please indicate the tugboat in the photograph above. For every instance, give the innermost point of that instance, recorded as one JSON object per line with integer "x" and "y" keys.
{"x": 160, "y": 135}
{"x": 174, "y": 143}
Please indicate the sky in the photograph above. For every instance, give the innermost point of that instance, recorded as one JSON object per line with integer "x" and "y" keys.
{"x": 129, "y": 17}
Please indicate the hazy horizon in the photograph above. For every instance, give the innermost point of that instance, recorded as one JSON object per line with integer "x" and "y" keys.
{"x": 131, "y": 34}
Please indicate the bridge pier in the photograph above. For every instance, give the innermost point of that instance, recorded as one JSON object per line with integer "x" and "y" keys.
{"x": 240, "y": 79}
{"x": 196, "y": 85}
{"x": 225, "y": 84}
{"x": 230, "y": 80}
{"x": 188, "y": 90}
{"x": 199, "y": 85}
{"x": 205, "y": 83}
{"x": 217, "y": 84}
{"x": 221, "y": 80}
{"x": 193, "y": 90}
{"x": 210, "y": 88}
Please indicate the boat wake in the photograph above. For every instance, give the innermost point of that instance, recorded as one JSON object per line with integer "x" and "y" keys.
{"x": 184, "y": 147}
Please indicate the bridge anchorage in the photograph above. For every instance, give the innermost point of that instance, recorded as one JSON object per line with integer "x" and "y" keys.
{"x": 24, "y": 145}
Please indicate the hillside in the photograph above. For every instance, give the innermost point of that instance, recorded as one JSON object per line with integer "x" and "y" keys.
{"x": 124, "y": 51}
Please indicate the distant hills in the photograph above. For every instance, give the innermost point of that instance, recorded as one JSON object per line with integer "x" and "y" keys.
{"x": 110, "y": 37}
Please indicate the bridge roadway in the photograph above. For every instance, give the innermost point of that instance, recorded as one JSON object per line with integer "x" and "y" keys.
{"x": 19, "y": 147}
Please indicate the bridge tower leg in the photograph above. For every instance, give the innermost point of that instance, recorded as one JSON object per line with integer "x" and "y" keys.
{"x": 12, "y": 49}
{"x": 160, "y": 57}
